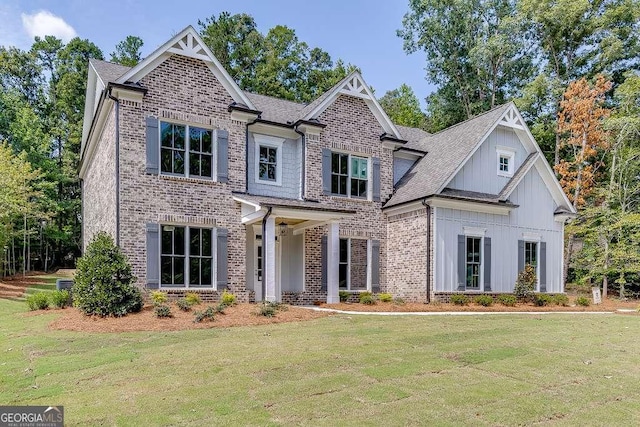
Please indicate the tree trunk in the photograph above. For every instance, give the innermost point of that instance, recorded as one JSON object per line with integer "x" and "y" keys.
{"x": 24, "y": 247}
{"x": 605, "y": 279}
{"x": 567, "y": 257}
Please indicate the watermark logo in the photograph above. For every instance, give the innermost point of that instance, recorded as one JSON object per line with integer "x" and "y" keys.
{"x": 31, "y": 416}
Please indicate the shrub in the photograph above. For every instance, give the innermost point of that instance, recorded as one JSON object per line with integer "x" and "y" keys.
{"x": 561, "y": 299}
{"x": 459, "y": 299}
{"x": 526, "y": 282}
{"x": 269, "y": 309}
{"x": 183, "y": 304}
{"x": 507, "y": 300}
{"x": 208, "y": 314}
{"x": 103, "y": 283}
{"x": 542, "y": 300}
{"x": 583, "y": 301}
{"x": 192, "y": 298}
{"x": 366, "y": 298}
{"x": 484, "y": 300}
{"x": 385, "y": 297}
{"x": 162, "y": 310}
{"x": 219, "y": 309}
{"x": 38, "y": 301}
{"x": 60, "y": 298}
{"x": 228, "y": 299}
{"x": 398, "y": 301}
{"x": 344, "y": 296}
{"x": 159, "y": 297}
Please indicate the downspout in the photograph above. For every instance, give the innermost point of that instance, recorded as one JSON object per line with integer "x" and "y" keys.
{"x": 304, "y": 158}
{"x": 428, "y": 207}
{"x": 264, "y": 251}
{"x": 117, "y": 102}
{"x": 246, "y": 155}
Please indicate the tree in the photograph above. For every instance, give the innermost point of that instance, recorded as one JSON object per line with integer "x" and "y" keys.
{"x": 475, "y": 50}
{"x": 403, "y": 108}
{"x": 128, "y": 51}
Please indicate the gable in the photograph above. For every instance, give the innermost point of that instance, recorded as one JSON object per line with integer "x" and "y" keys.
{"x": 480, "y": 172}
{"x": 535, "y": 200}
{"x": 350, "y": 121}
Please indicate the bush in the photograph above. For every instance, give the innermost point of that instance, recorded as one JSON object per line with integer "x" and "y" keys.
{"x": 192, "y": 298}
{"x": 542, "y": 300}
{"x": 583, "y": 301}
{"x": 484, "y": 300}
{"x": 159, "y": 297}
{"x": 208, "y": 314}
{"x": 459, "y": 299}
{"x": 507, "y": 300}
{"x": 526, "y": 282}
{"x": 103, "y": 283}
{"x": 60, "y": 298}
{"x": 385, "y": 297}
{"x": 398, "y": 301}
{"x": 228, "y": 299}
{"x": 269, "y": 309}
{"x": 344, "y": 295}
{"x": 219, "y": 309}
{"x": 162, "y": 310}
{"x": 183, "y": 304}
{"x": 561, "y": 299}
{"x": 38, "y": 301}
{"x": 366, "y": 298}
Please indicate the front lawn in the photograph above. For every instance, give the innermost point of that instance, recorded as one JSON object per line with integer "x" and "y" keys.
{"x": 340, "y": 370}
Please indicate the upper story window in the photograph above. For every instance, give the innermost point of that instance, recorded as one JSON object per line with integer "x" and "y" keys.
{"x": 349, "y": 175}
{"x": 268, "y": 159}
{"x": 186, "y": 150}
{"x": 506, "y": 158}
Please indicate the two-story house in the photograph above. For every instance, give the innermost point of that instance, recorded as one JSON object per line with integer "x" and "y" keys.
{"x": 207, "y": 187}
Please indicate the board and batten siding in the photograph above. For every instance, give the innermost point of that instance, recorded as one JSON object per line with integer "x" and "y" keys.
{"x": 534, "y": 216}
{"x": 480, "y": 172}
{"x": 291, "y": 171}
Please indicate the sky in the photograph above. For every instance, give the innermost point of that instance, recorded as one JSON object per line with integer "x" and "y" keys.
{"x": 359, "y": 32}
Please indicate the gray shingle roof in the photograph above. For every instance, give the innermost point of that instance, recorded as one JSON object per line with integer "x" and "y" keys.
{"x": 474, "y": 196}
{"x": 274, "y": 109}
{"x": 108, "y": 71}
{"x": 413, "y": 136}
{"x": 447, "y": 150}
{"x": 521, "y": 172}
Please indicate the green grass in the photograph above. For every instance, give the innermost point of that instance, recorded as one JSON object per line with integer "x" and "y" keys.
{"x": 342, "y": 370}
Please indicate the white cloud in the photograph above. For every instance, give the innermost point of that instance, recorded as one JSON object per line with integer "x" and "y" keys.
{"x": 45, "y": 23}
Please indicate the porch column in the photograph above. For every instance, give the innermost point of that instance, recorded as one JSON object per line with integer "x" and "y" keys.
{"x": 269, "y": 249}
{"x": 333, "y": 261}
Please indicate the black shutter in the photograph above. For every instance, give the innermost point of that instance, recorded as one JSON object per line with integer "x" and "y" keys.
{"x": 462, "y": 264}
{"x": 326, "y": 171}
{"x": 222, "y": 255}
{"x": 487, "y": 264}
{"x": 376, "y": 179}
{"x": 323, "y": 259}
{"x": 153, "y": 256}
{"x": 375, "y": 266}
{"x": 222, "y": 141}
{"x": 543, "y": 267}
{"x": 153, "y": 146}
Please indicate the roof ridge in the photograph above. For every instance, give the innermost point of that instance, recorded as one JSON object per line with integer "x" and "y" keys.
{"x": 471, "y": 118}
{"x": 302, "y": 104}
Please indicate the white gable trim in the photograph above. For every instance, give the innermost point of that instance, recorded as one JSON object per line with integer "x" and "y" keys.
{"x": 354, "y": 85}
{"x": 187, "y": 43}
{"x": 512, "y": 118}
{"x": 519, "y": 179}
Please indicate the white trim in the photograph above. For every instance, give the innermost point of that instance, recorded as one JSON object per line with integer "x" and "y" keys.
{"x": 407, "y": 155}
{"x": 519, "y": 179}
{"x": 404, "y": 208}
{"x": 194, "y": 48}
{"x": 470, "y": 206}
{"x": 268, "y": 142}
{"x": 187, "y": 151}
{"x": 474, "y": 231}
{"x": 510, "y": 155}
{"x": 531, "y": 237}
{"x": 481, "y": 272}
{"x": 90, "y": 146}
{"x": 369, "y": 160}
{"x": 534, "y": 239}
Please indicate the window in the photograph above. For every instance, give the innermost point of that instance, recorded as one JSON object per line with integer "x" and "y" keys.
{"x": 268, "y": 159}
{"x": 353, "y": 265}
{"x": 349, "y": 175}
{"x": 531, "y": 254}
{"x": 190, "y": 156}
{"x": 186, "y": 257}
{"x": 506, "y": 157}
{"x": 474, "y": 262}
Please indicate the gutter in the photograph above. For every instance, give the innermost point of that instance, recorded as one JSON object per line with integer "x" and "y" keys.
{"x": 428, "y": 284}
{"x": 264, "y": 264}
{"x": 117, "y": 103}
{"x": 303, "y": 151}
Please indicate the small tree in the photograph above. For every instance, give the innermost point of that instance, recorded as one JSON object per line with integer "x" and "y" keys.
{"x": 103, "y": 283}
{"x": 526, "y": 283}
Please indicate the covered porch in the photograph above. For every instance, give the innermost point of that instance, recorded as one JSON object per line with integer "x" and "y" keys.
{"x": 284, "y": 248}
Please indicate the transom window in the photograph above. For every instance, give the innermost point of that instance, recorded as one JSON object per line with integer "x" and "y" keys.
{"x": 474, "y": 261}
{"x": 353, "y": 266}
{"x": 268, "y": 159}
{"x": 186, "y": 257}
{"x": 186, "y": 150}
{"x": 349, "y": 175}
